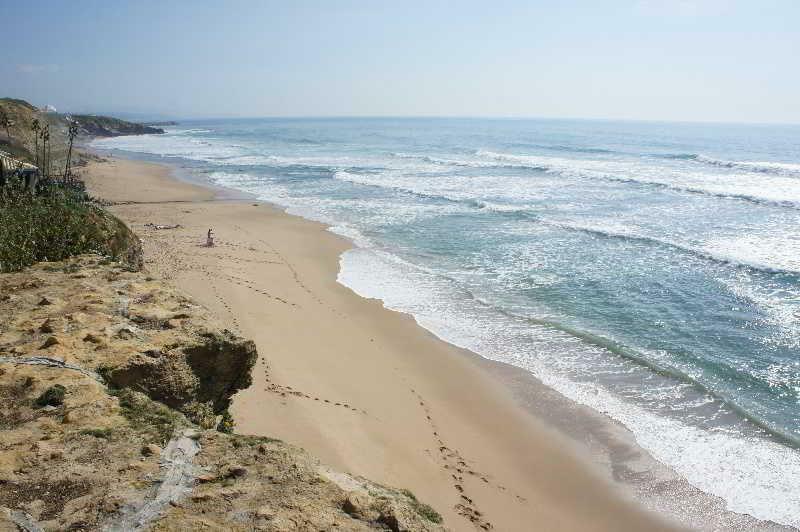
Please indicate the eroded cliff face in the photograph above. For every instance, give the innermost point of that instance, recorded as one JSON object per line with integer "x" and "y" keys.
{"x": 111, "y": 386}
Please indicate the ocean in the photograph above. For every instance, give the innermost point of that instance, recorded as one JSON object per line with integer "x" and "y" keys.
{"x": 648, "y": 270}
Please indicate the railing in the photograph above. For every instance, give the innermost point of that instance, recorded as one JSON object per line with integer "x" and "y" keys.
{"x": 12, "y": 163}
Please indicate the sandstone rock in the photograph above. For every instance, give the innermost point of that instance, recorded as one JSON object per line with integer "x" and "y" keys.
{"x": 233, "y": 471}
{"x": 75, "y": 505}
{"x": 358, "y": 504}
{"x": 390, "y": 518}
{"x": 46, "y": 327}
{"x": 5, "y": 520}
{"x": 209, "y": 368}
{"x": 112, "y": 504}
{"x": 125, "y": 334}
{"x": 92, "y": 338}
{"x": 265, "y": 512}
{"x": 151, "y": 449}
{"x": 92, "y": 483}
{"x": 44, "y": 301}
{"x": 34, "y": 508}
{"x": 50, "y": 342}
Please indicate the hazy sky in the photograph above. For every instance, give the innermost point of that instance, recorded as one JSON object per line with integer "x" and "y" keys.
{"x": 705, "y": 60}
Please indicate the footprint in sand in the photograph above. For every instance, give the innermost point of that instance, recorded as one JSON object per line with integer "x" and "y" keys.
{"x": 452, "y": 460}
{"x": 285, "y": 391}
{"x": 224, "y": 303}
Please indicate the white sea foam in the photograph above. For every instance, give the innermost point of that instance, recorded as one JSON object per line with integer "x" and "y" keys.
{"x": 780, "y": 307}
{"x": 773, "y": 250}
{"x": 751, "y": 474}
{"x": 788, "y": 169}
{"x": 774, "y": 189}
{"x": 741, "y": 180}
{"x": 764, "y": 252}
{"x": 171, "y": 145}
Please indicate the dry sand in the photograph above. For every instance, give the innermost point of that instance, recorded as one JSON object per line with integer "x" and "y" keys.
{"x": 363, "y": 388}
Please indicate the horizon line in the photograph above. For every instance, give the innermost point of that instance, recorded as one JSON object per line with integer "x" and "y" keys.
{"x": 457, "y": 117}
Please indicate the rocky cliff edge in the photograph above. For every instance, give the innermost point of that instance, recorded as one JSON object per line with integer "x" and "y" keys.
{"x": 114, "y": 390}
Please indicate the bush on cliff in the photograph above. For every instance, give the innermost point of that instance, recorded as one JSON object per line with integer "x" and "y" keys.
{"x": 56, "y": 224}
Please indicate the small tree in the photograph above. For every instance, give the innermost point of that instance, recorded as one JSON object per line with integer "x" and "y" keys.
{"x": 45, "y": 149}
{"x": 36, "y": 126}
{"x": 73, "y": 132}
{"x": 5, "y": 121}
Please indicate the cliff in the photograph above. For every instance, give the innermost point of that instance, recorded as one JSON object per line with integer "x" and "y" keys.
{"x": 114, "y": 390}
{"x": 18, "y": 138}
{"x": 106, "y": 126}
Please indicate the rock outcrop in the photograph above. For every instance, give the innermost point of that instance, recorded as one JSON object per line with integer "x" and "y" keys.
{"x": 110, "y": 425}
{"x": 207, "y": 370}
{"x": 106, "y": 126}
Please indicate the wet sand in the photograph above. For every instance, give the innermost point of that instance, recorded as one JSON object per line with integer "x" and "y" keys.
{"x": 368, "y": 391}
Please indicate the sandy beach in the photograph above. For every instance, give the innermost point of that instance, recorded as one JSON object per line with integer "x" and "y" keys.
{"x": 363, "y": 388}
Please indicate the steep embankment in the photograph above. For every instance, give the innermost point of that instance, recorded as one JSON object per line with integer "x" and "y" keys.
{"x": 57, "y": 224}
{"x": 106, "y": 126}
{"x": 111, "y": 384}
{"x": 20, "y": 139}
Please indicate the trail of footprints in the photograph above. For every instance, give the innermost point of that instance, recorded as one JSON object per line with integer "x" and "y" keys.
{"x": 272, "y": 387}
{"x": 294, "y": 272}
{"x": 223, "y": 302}
{"x": 284, "y": 391}
{"x": 457, "y": 467}
{"x": 451, "y": 459}
{"x": 248, "y": 284}
{"x": 274, "y": 252}
{"x": 286, "y": 263}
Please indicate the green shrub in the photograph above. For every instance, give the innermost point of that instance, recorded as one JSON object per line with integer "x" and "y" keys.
{"x": 53, "y": 396}
{"x": 53, "y": 225}
{"x": 426, "y": 511}
{"x": 421, "y": 508}
{"x": 201, "y": 414}
{"x": 157, "y": 420}
{"x": 97, "y": 433}
{"x": 226, "y": 423}
{"x": 408, "y": 493}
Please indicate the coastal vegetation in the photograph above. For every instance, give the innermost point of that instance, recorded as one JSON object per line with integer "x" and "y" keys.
{"x": 45, "y": 213}
{"x": 124, "y": 385}
{"x": 57, "y": 223}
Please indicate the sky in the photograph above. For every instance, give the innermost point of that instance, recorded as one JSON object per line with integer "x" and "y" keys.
{"x": 682, "y": 60}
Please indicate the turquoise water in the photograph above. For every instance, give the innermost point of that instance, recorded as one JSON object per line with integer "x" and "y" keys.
{"x": 649, "y": 270}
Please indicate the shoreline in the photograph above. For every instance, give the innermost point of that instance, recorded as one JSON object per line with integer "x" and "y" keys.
{"x": 603, "y": 447}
